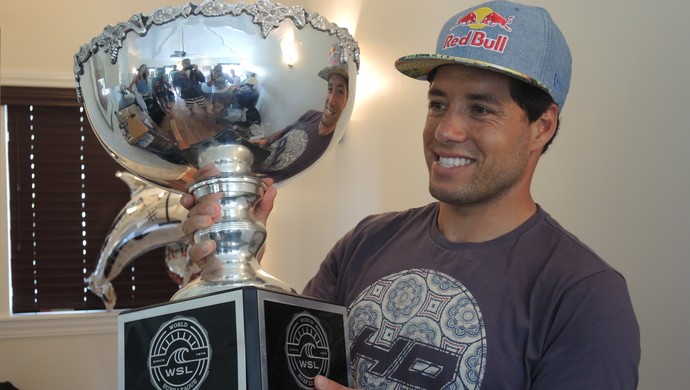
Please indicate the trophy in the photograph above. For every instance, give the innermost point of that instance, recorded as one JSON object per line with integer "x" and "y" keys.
{"x": 237, "y": 90}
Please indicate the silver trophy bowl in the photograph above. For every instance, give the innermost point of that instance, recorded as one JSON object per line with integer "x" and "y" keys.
{"x": 245, "y": 89}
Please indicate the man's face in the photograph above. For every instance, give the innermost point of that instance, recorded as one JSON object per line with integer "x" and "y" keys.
{"x": 477, "y": 142}
{"x": 336, "y": 100}
{"x": 186, "y": 63}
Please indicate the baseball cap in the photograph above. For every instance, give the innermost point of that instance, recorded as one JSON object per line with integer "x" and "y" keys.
{"x": 518, "y": 40}
{"x": 336, "y": 64}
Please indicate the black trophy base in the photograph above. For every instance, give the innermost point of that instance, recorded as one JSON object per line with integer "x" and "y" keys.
{"x": 245, "y": 338}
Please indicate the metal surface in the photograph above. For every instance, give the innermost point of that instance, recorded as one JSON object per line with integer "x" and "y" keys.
{"x": 161, "y": 94}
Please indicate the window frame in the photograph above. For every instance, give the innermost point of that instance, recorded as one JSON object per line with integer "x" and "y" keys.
{"x": 37, "y": 324}
{"x": 20, "y": 326}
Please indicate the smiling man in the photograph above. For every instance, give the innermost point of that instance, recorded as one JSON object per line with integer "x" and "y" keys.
{"x": 482, "y": 288}
{"x": 481, "y": 151}
{"x": 301, "y": 144}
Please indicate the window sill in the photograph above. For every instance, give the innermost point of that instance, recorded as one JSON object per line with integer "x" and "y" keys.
{"x": 58, "y": 324}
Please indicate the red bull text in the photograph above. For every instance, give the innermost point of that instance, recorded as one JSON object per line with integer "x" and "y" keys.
{"x": 476, "y": 38}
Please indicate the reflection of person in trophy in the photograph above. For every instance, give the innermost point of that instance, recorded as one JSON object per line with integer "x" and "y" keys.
{"x": 142, "y": 89}
{"x": 138, "y": 127}
{"x": 235, "y": 79}
{"x": 221, "y": 88}
{"x": 188, "y": 82}
{"x": 240, "y": 111}
{"x": 171, "y": 78}
{"x": 251, "y": 81}
{"x": 302, "y": 143}
{"x": 481, "y": 288}
{"x": 162, "y": 89}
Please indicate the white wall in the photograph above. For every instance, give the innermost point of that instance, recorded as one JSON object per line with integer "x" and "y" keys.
{"x": 618, "y": 175}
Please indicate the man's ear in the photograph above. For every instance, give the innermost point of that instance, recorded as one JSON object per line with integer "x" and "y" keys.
{"x": 544, "y": 128}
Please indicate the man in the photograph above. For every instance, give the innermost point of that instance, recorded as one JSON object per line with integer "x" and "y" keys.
{"x": 188, "y": 82}
{"x": 235, "y": 79}
{"x": 221, "y": 88}
{"x": 162, "y": 89}
{"x": 300, "y": 144}
{"x": 482, "y": 289}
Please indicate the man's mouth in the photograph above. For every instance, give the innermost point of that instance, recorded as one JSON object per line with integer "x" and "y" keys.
{"x": 451, "y": 162}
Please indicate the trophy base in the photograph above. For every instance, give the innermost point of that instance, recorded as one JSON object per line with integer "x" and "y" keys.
{"x": 199, "y": 287}
{"x": 245, "y": 338}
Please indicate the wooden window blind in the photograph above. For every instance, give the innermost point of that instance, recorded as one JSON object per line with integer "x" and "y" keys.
{"x": 64, "y": 196}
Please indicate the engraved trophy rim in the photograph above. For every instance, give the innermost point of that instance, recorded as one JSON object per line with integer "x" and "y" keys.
{"x": 266, "y": 14}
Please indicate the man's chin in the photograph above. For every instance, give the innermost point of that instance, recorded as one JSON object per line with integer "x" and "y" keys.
{"x": 329, "y": 122}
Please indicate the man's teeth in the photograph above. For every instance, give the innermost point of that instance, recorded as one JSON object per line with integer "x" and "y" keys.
{"x": 450, "y": 162}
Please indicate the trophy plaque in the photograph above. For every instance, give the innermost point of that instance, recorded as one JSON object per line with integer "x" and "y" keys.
{"x": 244, "y": 338}
{"x": 211, "y": 99}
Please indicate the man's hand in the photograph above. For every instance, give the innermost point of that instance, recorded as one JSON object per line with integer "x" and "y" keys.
{"x": 201, "y": 216}
{"x": 206, "y": 210}
{"x": 323, "y": 383}
{"x": 260, "y": 142}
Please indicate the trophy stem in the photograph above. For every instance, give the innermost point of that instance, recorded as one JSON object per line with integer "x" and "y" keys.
{"x": 237, "y": 236}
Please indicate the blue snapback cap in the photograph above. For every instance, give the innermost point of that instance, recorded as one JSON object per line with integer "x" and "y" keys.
{"x": 515, "y": 39}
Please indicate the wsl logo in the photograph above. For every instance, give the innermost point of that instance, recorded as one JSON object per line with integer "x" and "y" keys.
{"x": 307, "y": 350}
{"x": 179, "y": 355}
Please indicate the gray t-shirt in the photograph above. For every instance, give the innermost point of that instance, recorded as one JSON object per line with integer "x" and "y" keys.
{"x": 533, "y": 309}
{"x": 297, "y": 149}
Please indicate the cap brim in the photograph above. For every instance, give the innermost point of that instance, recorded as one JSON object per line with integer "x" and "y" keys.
{"x": 418, "y": 66}
{"x": 326, "y": 72}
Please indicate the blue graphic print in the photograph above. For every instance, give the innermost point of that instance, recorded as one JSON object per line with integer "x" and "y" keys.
{"x": 417, "y": 329}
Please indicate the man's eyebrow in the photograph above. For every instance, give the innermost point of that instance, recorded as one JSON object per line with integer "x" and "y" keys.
{"x": 483, "y": 97}
{"x": 436, "y": 92}
{"x": 480, "y": 97}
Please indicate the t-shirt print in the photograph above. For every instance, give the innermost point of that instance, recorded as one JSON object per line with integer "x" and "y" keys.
{"x": 417, "y": 329}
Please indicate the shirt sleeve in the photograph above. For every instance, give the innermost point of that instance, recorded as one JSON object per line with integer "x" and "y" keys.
{"x": 324, "y": 285}
{"x": 335, "y": 270}
{"x": 593, "y": 341}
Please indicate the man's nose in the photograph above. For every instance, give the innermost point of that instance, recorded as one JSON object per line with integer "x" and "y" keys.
{"x": 451, "y": 127}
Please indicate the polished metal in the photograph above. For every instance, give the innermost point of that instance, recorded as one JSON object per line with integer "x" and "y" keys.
{"x": 151, "y": 219}
{"x": 135, "y": 81}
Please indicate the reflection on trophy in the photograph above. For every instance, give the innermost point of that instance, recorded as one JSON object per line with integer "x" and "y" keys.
{"x": 246, "y": 96}
{"x": 151, "y": 219}
{"x": 244, "y": 91}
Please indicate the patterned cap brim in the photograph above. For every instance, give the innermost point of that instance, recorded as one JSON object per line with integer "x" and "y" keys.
{"x": 418, "y": 66}
{"x": 326, "y": 72}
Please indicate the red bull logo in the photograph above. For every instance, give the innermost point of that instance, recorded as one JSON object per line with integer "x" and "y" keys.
{"x": 483, "y": 17}
{"x": 476, "y": 39}
{"x": 475, "y": 21}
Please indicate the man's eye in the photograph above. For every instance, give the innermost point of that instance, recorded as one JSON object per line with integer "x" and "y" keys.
{"x": 435, "y": 106}
{"x": 481, "y": 110}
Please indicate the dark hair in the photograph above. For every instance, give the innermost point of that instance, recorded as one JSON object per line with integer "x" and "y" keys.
{"x": 145, "y": 76}
{"x": 533, "y": 100}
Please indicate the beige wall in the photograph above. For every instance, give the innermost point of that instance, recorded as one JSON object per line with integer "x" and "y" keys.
{"x": 617, "y": 175}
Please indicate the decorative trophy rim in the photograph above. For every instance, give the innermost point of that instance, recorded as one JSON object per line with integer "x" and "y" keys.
{"x": 264, "y": 13}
